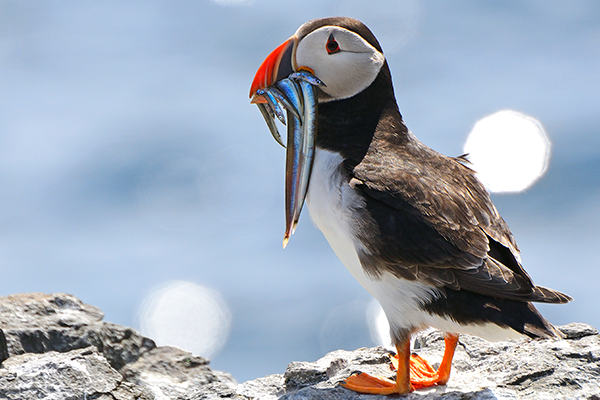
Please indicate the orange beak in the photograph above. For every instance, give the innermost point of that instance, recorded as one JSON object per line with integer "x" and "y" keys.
{"x": 277, "y": 66}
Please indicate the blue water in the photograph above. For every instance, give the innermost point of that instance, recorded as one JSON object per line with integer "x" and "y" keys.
{"x": 130, "y": 156}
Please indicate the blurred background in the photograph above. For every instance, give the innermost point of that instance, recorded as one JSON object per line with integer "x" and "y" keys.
{"x": 135, "y": 174}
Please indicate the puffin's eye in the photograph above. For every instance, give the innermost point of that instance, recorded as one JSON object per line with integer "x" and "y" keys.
{"x": 332, "y": 46}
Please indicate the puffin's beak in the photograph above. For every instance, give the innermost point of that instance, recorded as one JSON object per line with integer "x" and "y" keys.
{"x": 276, "y": 87}
{"x": 277, "y": 66}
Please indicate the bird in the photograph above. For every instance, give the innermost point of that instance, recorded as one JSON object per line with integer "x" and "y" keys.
{"x": 416, "y": 228}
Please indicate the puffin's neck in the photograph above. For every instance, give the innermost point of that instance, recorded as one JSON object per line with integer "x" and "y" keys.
{"x": 348, "y": 126}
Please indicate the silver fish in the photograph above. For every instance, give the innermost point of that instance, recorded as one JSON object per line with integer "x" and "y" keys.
{"x": 307, "y": 77}
{"x": 269, "y": 117}
{"x": 283, "y": 100}
{"x": 285, "y": 90}
{"x": 297, "y": 94}
{"x": 300, "y": 155}
{"x": 293, "y": 160}
{"x": 293, "y": 93}
{"x": 273, "y": 103}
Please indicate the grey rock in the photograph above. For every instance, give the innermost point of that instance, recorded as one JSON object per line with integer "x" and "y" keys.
{"x": 56, "y": 347}
{"x": 38, "y": 323}
{"x": 269, "y": 388}
{"x": 3, "y": 347}
{"x": 168, "y": 372}
{"x": 540, "y": 369}
{"x": 77, "y": 374}
{"x": 577, "y": 330}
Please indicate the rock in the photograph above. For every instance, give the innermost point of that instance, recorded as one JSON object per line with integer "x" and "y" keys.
{"x": 268, "y": 388}
{"x": 576, "y": 330}
{"x": 540, "y": 369}
{"x": 53, "y": 346}
{"x": 168, "y": 372}
{"x": 77, "y": 374}
{"x": 56, "y": 347}
{"x": 38, "y": 323}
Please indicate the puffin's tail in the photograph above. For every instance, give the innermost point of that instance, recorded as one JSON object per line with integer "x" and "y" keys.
{"x": 468, "y": 308}
{"x": 545, "y": 295}
{"x": 539, "y": 327}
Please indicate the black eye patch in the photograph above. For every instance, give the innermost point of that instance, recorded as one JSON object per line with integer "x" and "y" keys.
{"x": 332, "y": 46}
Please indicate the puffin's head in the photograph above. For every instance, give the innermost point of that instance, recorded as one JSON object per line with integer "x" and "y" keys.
{"x": 341, "y": 52}
{"x": 325, "y": 60}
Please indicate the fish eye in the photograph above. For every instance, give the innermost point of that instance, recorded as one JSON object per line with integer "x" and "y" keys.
{"x": 332, "y": 46}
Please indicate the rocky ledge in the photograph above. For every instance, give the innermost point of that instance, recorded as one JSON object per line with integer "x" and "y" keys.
{"x": 53, "y": 346}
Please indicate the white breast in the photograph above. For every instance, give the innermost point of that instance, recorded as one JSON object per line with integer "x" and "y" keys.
{"x": 331, "y": 202}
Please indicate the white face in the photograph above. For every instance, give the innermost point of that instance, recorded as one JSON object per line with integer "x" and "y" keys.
{"x": 346, "y": 70}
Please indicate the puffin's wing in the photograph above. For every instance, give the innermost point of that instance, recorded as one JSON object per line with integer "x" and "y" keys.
{"x": 437, "y": 223}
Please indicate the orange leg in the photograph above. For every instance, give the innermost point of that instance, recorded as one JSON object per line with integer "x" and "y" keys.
{"x": 423, "y": 375}
{"x": 412, "y": 372}
{"x": 365, "y": 383}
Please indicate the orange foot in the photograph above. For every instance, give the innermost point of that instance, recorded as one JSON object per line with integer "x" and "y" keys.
{"x": 412, "y": 372}
{"x": 365, "y": 383}
{"x": 422, "y": 374}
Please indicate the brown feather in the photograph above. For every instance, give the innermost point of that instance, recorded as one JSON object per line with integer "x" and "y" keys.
{"x": 434, "y": 221}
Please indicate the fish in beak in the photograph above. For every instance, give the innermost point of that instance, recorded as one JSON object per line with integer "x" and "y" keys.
{"x": 279, "y": 84}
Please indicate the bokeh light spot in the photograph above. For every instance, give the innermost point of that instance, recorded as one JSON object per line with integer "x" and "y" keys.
{"x": 186, "y": 315}
{"x": 509, "y": 150}
{"x": 379, "y": 326}
{"x": 345, "y": 328}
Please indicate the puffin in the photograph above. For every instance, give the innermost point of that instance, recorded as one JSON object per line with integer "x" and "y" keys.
{"x": 417, "y": 229}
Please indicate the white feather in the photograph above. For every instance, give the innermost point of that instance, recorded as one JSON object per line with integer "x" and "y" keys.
{"x": 345, "y": 73}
